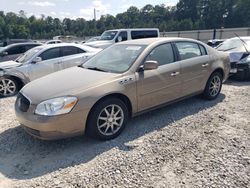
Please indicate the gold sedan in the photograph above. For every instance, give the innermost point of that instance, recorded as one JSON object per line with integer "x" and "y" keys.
{"x": 124, "y": 80}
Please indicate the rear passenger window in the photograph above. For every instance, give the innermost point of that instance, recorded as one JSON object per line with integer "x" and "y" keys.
{"x": 71, "y": 50}
{"x": 188, "y": 50}
{"x": 163, "y": 54}
{"x": 144, "y": 34}
{"x": 50, "y": 54}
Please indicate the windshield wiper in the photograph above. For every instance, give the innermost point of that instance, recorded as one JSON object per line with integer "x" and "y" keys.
{"x": 94, "y": 68}
{"x": 224, "y": 50}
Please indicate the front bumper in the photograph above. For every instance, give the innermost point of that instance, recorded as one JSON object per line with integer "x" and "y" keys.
{"x": 51, "y": 128}
{"x": 240, "y": 70}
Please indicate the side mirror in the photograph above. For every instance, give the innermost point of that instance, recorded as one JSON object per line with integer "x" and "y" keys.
{"x": 36, "y": 60}
{"x": 150, "y": 65}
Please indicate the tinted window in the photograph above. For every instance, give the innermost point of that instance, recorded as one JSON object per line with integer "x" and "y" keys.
{"x": 123, "y": 35}
{"x": 28, "y": 47}
{"x": 50, "y": 54}
{"x": 144, "y": 34}
{"x": 14, "y": 50}
{"x": 163, "y": 54}
{"x": 71, "y": 50}
{"x": 188, "y": 50}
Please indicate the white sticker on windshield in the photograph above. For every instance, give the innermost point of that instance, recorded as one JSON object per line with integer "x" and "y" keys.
{"x": 133, "y": 48}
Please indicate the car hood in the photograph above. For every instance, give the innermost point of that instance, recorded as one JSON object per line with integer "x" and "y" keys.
{"x": 9, "y": 64}
{"x": 99, "y": 43}
{"x": 68, "y": 82}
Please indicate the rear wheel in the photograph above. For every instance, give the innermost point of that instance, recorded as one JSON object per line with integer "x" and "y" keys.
{"x": 107, "y": 119}
{"x": 8, "y": 87}
{"x": 213, "y": 86}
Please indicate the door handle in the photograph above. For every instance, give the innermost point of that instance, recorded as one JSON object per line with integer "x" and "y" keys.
{"x": 205, "y": 65}
{"x": 175, "y": 73}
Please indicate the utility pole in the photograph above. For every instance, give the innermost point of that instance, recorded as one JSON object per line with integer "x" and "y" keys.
{"x": 94, "y": 14}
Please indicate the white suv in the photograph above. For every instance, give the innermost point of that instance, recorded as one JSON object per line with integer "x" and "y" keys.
{"x": 117, "y": 35}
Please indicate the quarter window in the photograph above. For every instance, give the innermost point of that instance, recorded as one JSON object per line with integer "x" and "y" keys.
{"x": 50, "y": 54}
{"x": 188, "y": 50}
{"x": 203, "y": 50}
{"x": 163, "y": 54}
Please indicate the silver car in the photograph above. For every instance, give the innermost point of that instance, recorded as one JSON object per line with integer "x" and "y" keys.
{"x": 39, "y": 62}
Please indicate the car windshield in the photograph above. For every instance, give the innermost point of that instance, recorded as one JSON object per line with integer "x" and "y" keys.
{"x": 28, "y": 55}
{"x": 108, "y": 35}
{"x": 116, "y": 59}
{"x": 232, "y": 44}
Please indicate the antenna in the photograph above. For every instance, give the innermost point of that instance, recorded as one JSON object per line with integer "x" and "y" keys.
{"x": 244, "y": 43}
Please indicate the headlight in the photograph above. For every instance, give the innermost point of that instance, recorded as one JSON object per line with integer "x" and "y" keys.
{"x": 245, "y": 60}
{"x": 56, "y": 106}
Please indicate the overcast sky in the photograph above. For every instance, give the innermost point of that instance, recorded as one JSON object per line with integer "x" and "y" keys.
{"x": 75, "y": 8}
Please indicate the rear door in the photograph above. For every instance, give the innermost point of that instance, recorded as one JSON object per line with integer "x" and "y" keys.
{"x": 73, "y": 56}
{"x": 195, "y": 65}
{"x": 51, "y": 62}
{"x": 155, "y": 87}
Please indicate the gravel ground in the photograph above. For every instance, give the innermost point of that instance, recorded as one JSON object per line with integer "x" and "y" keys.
{"x": 193, "y": 143}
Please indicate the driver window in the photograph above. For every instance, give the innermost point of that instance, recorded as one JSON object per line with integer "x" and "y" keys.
{"x": 163, "y": 54}
{"x": 50, "y": 54}
{"x": 123, "y": 35}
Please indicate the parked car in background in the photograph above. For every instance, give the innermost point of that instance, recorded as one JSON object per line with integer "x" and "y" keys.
{"x": 7, "y": 42}
{"x": 215, "y": 42}
{"x": 53, "y": 42}
{"x": 92, "y": 39}
{"x": 122, "y": 81}
{"x": 118, "y": 35}
{"x": 11, "y": 52}
{"x": 39, "y": 62}
{"x": 238, "y": 49}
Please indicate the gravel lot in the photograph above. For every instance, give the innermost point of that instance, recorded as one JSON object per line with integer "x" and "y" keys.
{"x": 193, "y": 143}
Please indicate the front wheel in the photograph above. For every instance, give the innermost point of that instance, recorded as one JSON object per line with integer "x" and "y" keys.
{"x": 8, "y": 87}
{"x": 213, "y": 87}
{"x": 107, "y": 119}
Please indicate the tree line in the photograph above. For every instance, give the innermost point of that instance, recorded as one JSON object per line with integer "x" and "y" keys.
{"x": 186, "y": 15}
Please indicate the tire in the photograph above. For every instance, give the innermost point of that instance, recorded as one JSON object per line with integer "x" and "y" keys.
{"x": 101, "y": 120}
{"x": 213, "y": 86}
{"x": 8, "y": 87}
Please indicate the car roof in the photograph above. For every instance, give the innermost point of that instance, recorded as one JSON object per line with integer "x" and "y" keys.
{"x": 22, "y": 43}
{"x": 84, "y": 47}
{"x": 133, "y": 29}
{"x": 148, "y": 41}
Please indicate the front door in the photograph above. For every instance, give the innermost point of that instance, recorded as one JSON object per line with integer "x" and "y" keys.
{"x": 162, "y": 85}
{"x": 51, "y": 62}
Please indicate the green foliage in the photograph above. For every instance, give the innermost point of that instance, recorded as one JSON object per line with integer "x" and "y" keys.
{"x": 186, "y": 15}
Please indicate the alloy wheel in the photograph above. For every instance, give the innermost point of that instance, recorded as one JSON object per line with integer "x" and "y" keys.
{"x": 215, "y": 86}
{"x": 7, "y": 87}
{"x": 110, "y": 120}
